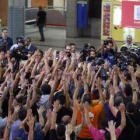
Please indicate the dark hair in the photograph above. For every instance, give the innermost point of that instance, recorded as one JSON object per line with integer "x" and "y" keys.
{"x": 118, "y": 101}
{"x": 96, "y": 93}
{"x": 41, "y": 52}
{"x": 20, "y": 99}
{"x": 22, "y": 113}
{"x": 128, "y": 90}
{"x": 104, "y": 123}
{"x": 40, "y": 7}
{"x": 61, "y": 130}
{"x": 62, "y": 99}
{"x": 92, "y": 47}
{"x": 130, "y": 107}
{"x": 72, "y": 44}
{"x": 28, "y": 38}
{"x": 46, "y": 89}
{"x": 87, "y": 98}
{"x": 4, "y": 29}
{"x": 127, "y": 75}
{"x": 38, "y": 91}
{"x": 28, "y": 75}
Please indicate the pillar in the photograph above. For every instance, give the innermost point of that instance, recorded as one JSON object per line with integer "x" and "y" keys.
{"x": 16, "y": 18}
{"x": 71, "y": 29}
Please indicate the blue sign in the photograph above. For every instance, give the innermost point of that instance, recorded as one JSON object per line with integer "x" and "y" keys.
{"x": 82, "y": 15}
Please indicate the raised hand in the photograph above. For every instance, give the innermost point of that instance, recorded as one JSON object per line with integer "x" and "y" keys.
{"x": 41, "y": 109}
{"x": 69, "y": 129}
{"x": 111, "y": 127}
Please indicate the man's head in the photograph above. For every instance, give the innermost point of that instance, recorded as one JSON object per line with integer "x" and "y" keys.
{"x": 4, "y": 32}
{"x": 60, "y": 130}
{"x": 129, "y": 39}
{"x": 62, "y": 99}
{"x": 46, "y": 89}
{"x": 87, "y": 98}
{"x": 28, "y": 41}
{"x": 22, "y": 113}
{"x": 130, "y": 107}
{"x": 128, "y": 90}
{"x": 110, "y": 45}
{"x": 20, "y": 41}
{"x": 118, "y": 101}
{"x": 73, "y": 47}
{"x": 38, "y": 95}
{"x": 68, "y": 48}
{"x": 19, "y": 100}
{"x": 66, "y": 120}
{"x": 40, "y": 8}
{"x": 92, "y": 53}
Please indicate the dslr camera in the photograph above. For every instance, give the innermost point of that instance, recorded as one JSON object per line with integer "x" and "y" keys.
{"x": 107, "y": 41}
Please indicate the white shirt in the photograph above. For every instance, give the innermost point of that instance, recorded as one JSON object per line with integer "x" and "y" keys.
{"x": 14, "y": 46}
{"x": 28, "y": 47}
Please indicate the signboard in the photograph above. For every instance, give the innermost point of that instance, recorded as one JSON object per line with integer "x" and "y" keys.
{"x": 131, "y": 14}
{"x": 106, "y": 18}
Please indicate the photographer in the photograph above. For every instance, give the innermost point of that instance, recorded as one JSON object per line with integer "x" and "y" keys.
{"x": 20, "y": 43}
{"x": 109, "y": 49}
{"x": 5, "y": 39}
{"x": 129, "y": 44}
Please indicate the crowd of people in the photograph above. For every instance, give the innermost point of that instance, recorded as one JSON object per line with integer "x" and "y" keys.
{"x": 69, "y": 95}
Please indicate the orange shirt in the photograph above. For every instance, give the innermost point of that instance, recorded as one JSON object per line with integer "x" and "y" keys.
{"x": 85, "y": 133}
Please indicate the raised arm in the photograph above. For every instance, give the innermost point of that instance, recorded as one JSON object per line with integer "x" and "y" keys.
{"x": 54, "y": 115}
{"x": 115, "y": 79}
{"x": 86, "y": 109}
{"x": 40, "y": 112}
{"x": 66, "y": 88}
{"x": 123, "y": 118}
{"x": 102, "y": 97}
{"x": 113, "y": 109}
{"x": 48, "y": 123}
{"x": 111, "y": 130}
{"x": 31, "y": 127}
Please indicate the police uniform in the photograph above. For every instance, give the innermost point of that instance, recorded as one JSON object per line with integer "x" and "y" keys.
{"x": 132, "y": 45}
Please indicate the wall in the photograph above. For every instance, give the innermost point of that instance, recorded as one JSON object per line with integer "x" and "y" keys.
{"x": 3, "y": 11}
{"x": 58, "y": 3}
{"x": 37, "y": 3}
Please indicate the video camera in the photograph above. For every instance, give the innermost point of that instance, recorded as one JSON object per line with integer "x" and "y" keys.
{"x": 128, "y": 57}
{"x": 85, "y": 52}
{"x": 107, "y": 41}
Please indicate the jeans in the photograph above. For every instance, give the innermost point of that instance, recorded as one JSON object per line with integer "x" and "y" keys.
{"x": 40, "y": 26}
{"x": 83, "y": 139}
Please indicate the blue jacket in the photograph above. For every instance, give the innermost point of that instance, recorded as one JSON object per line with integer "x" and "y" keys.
{"x": 32, "y": 49}
{"x": 9, "y": 41}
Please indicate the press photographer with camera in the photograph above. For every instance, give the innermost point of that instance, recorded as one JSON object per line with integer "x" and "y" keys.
{"x": 19, "y": 44}
{"x": 4, "y": 39}
{"x": 108, "y": 51}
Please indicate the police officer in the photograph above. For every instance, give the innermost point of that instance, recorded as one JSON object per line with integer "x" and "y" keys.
{"x": 129, "y": 44}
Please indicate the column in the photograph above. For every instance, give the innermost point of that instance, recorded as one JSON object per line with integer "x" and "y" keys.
{"x": 71, "y": 29}
{"x": 16, "y": 18}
